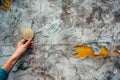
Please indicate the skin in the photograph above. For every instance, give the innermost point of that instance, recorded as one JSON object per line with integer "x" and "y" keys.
{"x": 21, "y": 48}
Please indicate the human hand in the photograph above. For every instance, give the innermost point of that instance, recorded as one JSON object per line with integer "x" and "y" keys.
{"x": 22, "y": 46}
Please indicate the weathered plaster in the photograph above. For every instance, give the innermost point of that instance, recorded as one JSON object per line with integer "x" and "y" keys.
{"x": 59, "y": 25}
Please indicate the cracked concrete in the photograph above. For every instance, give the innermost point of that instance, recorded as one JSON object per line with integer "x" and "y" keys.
{"x": 59, "y": 25}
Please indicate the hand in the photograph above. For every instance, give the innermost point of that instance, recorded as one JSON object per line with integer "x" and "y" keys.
{"x": 22, "y": 46}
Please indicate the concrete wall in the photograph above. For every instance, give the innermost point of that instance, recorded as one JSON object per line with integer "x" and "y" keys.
{"x": 59, "y": 25}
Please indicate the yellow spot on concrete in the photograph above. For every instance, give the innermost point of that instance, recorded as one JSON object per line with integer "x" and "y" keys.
{"x": 86, "y": 51}
{"x": 6, "y": 5}
{"x": 116, "y": 52}
{"x": 104, "y": 52}
{"x": 83, "y": 51}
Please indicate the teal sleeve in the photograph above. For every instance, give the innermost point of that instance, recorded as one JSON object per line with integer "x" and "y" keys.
{"x": 3, "y": 74}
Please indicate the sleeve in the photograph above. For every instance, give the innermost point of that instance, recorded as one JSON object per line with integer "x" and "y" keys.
{"x": 3, "y": 74}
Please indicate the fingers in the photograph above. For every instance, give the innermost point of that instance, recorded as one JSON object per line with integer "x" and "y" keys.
{"x": 28, "y": 43}
{"x": 31, "y": 42}
{"x": 31, "y": 46}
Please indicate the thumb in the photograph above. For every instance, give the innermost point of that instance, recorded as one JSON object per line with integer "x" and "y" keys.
{"x": 23, "y": 40}
{"x": 27, "y": 43}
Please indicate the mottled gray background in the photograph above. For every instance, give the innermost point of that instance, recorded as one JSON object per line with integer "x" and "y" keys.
{"x": 59, "y": 25}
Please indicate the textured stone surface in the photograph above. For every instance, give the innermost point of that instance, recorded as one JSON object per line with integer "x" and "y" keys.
{"x": 59, "y": 25}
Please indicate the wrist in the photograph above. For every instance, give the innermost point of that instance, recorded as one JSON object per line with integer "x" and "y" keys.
{"x": 10, "y": 63}
{"x": 15, "y": 56}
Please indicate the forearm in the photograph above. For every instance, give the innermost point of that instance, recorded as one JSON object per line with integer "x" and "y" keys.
{"x": 22, "y": 46}
{"x": 10, "y": 63}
